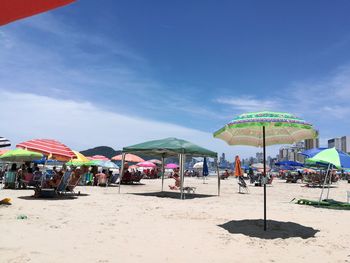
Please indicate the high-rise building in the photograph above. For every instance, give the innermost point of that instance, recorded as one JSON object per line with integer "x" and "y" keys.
{"x": 312, "y": 143}
{"x": 345, "y": 144}
{"x": 259, "y": 156}
{"x": 291, "y": 153}
{"x": 335, "y": 142}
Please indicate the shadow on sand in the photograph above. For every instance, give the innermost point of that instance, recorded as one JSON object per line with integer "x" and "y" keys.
{"x": 54, "y": 198}
{"x": 275, "y": 229}
{"x": 175, "y": 195}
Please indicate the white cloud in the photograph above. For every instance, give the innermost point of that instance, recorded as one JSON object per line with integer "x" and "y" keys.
{"x": 250, "y": 103}
{"x": 82, "y": 125}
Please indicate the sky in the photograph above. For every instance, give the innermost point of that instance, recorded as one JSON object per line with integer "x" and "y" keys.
{"x": 121, "y": 72}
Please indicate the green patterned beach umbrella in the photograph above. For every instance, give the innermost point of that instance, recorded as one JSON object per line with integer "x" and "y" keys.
{"x": 265, "y": 128}
{"x": 280, "y": 128}
{"x": 20, "y": 155}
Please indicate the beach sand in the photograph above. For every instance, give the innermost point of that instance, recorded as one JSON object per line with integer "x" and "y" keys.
{"x": 104, "y": 226}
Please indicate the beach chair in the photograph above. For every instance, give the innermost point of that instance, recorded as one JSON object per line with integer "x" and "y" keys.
{"x": 71, "y": 185}
{"x": 62, "y": 186}
{"x": 113, "y": 179}
{"x": 88, "y": 179}
{"x": 29, "y": 180}
{"x": 242, "y": 185}
{"x": 41, "y": 192}
{"x": 10, "y": 180}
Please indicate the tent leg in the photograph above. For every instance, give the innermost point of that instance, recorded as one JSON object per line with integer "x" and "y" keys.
{"x": 218, "y": 174}
{"x": 330, "y": 181}
{"x": 264, "y": 153}
{"x": 324, "y": 183}
{"x": 163, "y": 171}
{"x": 121, "y": 172}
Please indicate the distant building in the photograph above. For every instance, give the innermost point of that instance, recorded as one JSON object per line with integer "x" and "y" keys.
{"x": 312, "y": 143}
{"x": 345, "y": 144}
{"x": 259, "y": 157}
{"x": 335, "y": 142}
{"x": 292, "y": 153}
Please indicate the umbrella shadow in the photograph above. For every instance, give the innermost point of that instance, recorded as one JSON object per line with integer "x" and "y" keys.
{"x": 54, "y": 198}
{"x": 174, "y": 195}
{"x": 275, "y": 229}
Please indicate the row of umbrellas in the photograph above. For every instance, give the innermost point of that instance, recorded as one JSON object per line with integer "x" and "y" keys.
{"x": 46, "y": 149}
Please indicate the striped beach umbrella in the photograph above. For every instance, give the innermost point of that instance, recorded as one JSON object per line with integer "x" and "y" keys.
{"x": 98, "y": 158}
{"x": 12, "y": 10}
{"x": 146, "y": 164}
{"x": 265, "y": 128}
{"x": 51, "y": 148}
{"x": 4, "y": 142}
{"x": 129, "y": 158}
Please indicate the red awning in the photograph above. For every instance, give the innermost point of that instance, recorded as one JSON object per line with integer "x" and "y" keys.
{"x": 11, "y": 10}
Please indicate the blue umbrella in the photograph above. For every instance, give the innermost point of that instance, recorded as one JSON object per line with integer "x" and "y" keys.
{"x": 205, "y": 171}
{"x": 289, "y": 163}
{"x": 288, "y": 168}
{"x": 312, "y": 152}
{"x": 205, "y": 167}
{"x": 44, "y": 160}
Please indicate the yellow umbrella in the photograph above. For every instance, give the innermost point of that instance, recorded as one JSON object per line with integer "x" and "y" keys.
{"x": 79, "y": 159}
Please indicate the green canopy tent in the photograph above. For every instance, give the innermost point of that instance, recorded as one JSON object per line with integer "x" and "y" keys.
{"x": 169, "y": 147}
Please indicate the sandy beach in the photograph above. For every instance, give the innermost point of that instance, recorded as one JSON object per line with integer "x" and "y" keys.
{"x": 104, "y": 226}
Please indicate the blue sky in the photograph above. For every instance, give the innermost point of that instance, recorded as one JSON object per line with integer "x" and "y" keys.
{"x": 183, "y": 67}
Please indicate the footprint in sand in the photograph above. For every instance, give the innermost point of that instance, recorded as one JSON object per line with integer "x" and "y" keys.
{"x": 19, "y": 259}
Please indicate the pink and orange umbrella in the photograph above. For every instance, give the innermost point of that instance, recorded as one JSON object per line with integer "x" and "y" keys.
{"x": 146, "y": 164}
{"x": 98, "y": 158}
{"x": 51, "y": 148}
{"x": 129, "y": 158}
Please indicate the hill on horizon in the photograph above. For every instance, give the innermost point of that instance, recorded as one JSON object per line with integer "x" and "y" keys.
{"x": 107, "y": 151}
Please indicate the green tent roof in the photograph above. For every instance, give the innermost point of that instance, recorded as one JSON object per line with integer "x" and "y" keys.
{"x": 169, "y": 147}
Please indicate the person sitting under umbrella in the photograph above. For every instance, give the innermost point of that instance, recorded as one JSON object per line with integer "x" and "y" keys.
{"x": 177, "y": 181}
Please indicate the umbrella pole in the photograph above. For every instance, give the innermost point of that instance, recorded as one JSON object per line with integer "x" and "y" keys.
{"x": 264, "y": 153}
{"x": 181, "y": 181}
{"x": 218, "y": 173}
{"x": 163, "y": 171}
{"x": 324, "y": 183}
{"x": 330, "y": 181}
{"x": 121, "y": 172}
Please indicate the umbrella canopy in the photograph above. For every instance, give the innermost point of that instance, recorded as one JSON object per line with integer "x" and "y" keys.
{"x": 79, "y": 160}
{"x": 104, "y": 164}
{"x": 331, "y": 156}
{"x": 265, "y": 128}
{"x": 260, "y": 167}
{"x": 280, "y": 128}
{"x": 20, "y": 155}
{"x": 170, "y": 147}
{"x": 11, "y": 10}
{"x": 156, "y": 161}
{"x": 238, "y": 168}
{"x": 46, "y": 161}
{"x": 287, "y": 168}
{"x": 171, "y": 166}
{"x": 198, "y": 165}
{"x": 146, "y": 164}
{"x": 289, "y": 163}
{"x": 205, "y": 171}
{"x": 4, "y": 151}
{"x": 98, "y": 157}
{"x": 51, "y": 148}
{"x": 129, "y": 158}
{"x": 312, "y": 152}
{"x": 4, "y": 142}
